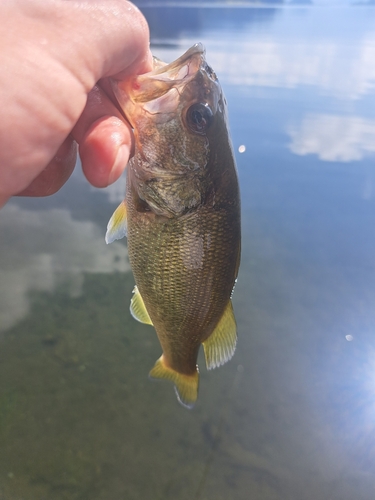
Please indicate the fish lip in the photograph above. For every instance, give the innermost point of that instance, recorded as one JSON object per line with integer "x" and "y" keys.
{"x": 174, "y": 75}
{"x": 196, "y": 51}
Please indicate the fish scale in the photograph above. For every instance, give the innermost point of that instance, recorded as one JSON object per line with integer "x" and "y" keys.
{"x": 178, "y": 300}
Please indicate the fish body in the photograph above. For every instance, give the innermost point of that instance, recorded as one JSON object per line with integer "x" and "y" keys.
{"x": 182, "y": 208}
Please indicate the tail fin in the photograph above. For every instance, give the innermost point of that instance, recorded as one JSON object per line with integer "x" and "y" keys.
{"x": 186, "y": 386}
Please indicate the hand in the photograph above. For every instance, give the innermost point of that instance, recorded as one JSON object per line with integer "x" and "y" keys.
{"x": 57, "y": 56}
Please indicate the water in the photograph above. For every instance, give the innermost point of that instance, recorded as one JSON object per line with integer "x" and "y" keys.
{"x": 292, "y": 415}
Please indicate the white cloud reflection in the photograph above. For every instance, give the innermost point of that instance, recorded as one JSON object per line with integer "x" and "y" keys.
{"x": 41, "y": 249}
{"x": 333, "y": 138}
{"x": 271, "y": 60}
{"x": 324, "y": 64}
{"x": 116, "y": 191}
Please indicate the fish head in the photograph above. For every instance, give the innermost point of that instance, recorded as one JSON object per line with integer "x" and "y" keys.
{"x": 174, "y": 111}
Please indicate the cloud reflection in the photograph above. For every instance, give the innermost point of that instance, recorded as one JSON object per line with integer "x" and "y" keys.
{"x": 334, "y": 138}
{"x": 115, "y": 191}
{"x": 325, "y": 64}
{"x": 40, "y": 250}
{"x": 271, "y": 61}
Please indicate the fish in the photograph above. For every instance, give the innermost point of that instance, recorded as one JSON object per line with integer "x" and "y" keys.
{"x": 181, "y": 215}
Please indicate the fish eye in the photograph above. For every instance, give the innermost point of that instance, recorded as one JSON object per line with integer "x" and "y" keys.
{"x": 199, "y": 118}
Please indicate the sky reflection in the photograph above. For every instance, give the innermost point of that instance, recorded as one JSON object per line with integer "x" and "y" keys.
{"x": 332, "y": 51}
{"x": 42, "y": 249}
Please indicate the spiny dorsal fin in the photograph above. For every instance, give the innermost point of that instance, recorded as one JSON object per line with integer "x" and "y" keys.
{"x": 221, "y": 344}
{"x": 117, "y": 225}
{"x": 186, "y": 386}
{"x": 138, "y": 309}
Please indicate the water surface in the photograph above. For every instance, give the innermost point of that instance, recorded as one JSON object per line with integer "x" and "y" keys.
{"x": 292, "y": 415}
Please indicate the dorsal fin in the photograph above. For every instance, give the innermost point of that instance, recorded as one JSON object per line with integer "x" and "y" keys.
{"x": 221, "y": 344}
{"x": 138, "y": 309}
{"x": 117, "y": 225}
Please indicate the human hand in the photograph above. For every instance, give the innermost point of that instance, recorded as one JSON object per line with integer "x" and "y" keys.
{"x": 57, "y": 56}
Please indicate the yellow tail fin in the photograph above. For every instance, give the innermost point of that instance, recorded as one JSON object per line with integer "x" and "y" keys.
{"x": 186, "y": 386}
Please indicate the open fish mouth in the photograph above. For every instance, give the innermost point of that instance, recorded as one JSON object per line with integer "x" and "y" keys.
{"x": 166, "y": 76}
{"x": 159, "y": 91}
{"x": 186, "y": 65}
{"x": 173, "y": 70}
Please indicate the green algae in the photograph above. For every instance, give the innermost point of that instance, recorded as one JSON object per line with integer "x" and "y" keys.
{"x": 79, "y": 418}
{"x": 64, "y": 380}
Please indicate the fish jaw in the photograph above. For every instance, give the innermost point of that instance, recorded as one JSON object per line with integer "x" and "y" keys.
{"x": 151, "y": 86}
{"x": 161, "y": 94}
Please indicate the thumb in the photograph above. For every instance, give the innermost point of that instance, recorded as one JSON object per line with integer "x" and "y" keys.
{"x": 64, "y": 48}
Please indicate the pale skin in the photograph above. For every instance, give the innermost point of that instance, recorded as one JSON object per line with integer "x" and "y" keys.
{"x": 56, "y": 58}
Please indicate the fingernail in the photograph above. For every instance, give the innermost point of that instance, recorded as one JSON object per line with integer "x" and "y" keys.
{"x": 119, "y": 164}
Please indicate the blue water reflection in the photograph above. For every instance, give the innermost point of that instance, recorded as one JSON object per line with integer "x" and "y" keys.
{"x": 292, "y": 416}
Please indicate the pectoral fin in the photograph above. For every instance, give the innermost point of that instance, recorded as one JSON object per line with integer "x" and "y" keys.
{"x": 117, "y": 225}
{"x": 221, "y": 344}
{"x": 186, "y": 386}
{"x": 138, "y": 309}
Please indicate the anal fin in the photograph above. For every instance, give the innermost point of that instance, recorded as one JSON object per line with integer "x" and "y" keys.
{"x": 221, "y": 344}
{"x": 186, "y": 386}
{"x": 138, "y": 309}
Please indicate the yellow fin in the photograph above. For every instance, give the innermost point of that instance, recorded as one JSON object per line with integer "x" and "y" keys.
{"x": 186, "y": 386}
{"x": 221, "y": 344}
{"x": 117, "y": 226}
{"x": 138, "y": 309}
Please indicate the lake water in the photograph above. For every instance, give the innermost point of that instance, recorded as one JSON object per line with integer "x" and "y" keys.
{"x": 292, "y": 416}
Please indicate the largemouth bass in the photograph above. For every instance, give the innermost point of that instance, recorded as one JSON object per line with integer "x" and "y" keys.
{"x": 182, "y": 216}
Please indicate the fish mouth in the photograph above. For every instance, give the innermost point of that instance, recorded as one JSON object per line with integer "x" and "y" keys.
{"x": 164, "y": 77}
{"x": 159, "y": 91}
{"x": 195, "y": 54}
